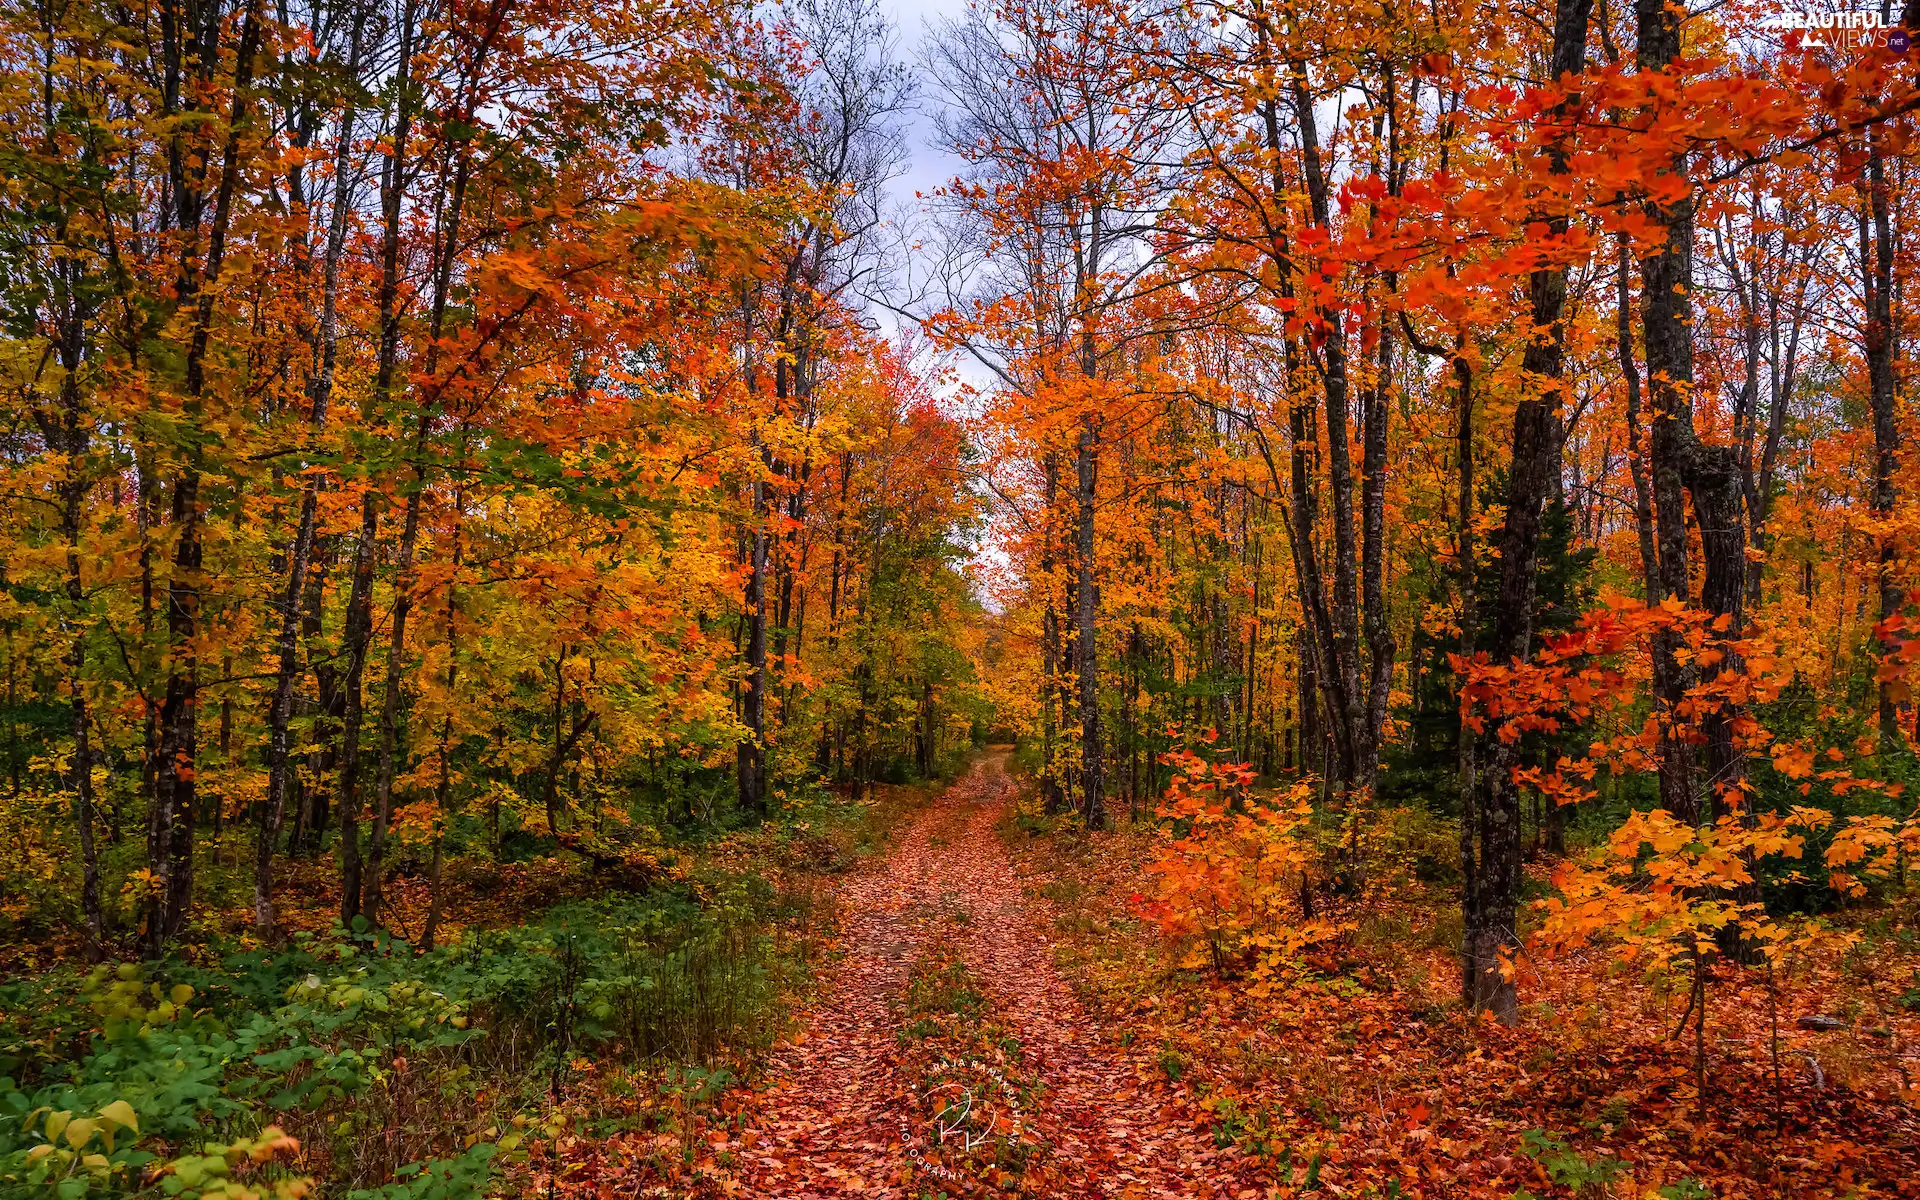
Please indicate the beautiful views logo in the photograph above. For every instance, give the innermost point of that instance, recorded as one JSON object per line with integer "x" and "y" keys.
{"x": 1840, "y": 29}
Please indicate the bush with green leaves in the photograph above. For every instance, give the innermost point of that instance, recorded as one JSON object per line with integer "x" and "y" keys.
{"x": 129, "y": 1078}
{"x": 1584, "y": 1176}
{"x": 164, "y": 1091}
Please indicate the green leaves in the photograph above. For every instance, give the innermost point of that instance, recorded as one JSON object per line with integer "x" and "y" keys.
{"x": 1568, "y": 1167}
{"x": 207, "y": 1175}
{"x": 65, "y": 1149}
{"x": 461, "y": 1178}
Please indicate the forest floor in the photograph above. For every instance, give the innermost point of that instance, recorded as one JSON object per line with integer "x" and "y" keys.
{"x": 999, "y": 1024}
{"x": 939, "y": 993}
{"x": 1361, "y": 1075}
{"x": 1002, "y": 1083}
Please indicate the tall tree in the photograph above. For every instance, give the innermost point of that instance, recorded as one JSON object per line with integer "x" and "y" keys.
{"x": 1491, "y": 932}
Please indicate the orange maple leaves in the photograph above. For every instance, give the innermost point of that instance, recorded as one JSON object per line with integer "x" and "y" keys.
{"x": 1661, "y": 887}
{"x": 1229, "y": 880}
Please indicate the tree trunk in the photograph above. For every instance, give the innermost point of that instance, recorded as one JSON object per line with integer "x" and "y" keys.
{"x": 358, "y": 638}
{"x": 393, "y": 193}
{"x": 751, "y": 767}
{"x": 1681, "y": 462}
{"x": 1636, "y": 456}
{"x": 170, "y": 830}
{"x": 443, "y": 794}
{"x": 322, "y": 752}
{"x": 320, "y": 394}
{"x": 1373, "y": 533}
{"x": 1876, "y": 254}
{"x": 1052, "y": 797}
{"x": 1349, "y": 706}
{"x": 1493, "y": 938}
{"x": 72, "y": 442}
{"x": 1466, "y": 744}
{"x": 1093, "y": 812}
{"x": 360, "y": 877}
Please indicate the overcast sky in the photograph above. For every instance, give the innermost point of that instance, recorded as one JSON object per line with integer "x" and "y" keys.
{"x": 927, "y": 167}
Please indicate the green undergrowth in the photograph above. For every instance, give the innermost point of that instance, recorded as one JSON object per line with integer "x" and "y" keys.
{"x": 401, "y": 1075}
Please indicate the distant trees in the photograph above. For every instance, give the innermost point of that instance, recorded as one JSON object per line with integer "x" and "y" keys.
{"x": 1066, "y": 144}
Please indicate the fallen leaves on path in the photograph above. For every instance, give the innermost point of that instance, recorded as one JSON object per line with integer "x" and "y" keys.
{"x": 1111, "y": 1132}
{"x": 838, "y": 1115}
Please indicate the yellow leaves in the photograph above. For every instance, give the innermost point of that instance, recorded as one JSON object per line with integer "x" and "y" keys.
{"x": 521, "y": 269}
{"x": 76, "y": 1133}
{"x": 1810, "y": 819}
{"x": 1661, "y": 889}
{"x": 1866, "y": 847}
{"x": 1657, "y": 830}
{"x": 120, "y": 1113}
{"x": 416, "y": 821}
{"x": 79, "y": 1132}
{"x": 142, "y": 883}
{"x": 1859, "y": 838}
{"x": 211, "y": 1172}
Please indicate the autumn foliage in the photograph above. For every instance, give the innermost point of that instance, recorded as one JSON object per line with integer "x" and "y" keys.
{"x": 506, "y": 502}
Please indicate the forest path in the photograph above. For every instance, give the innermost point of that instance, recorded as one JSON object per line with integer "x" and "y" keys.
{"x": 839, "y": 1119}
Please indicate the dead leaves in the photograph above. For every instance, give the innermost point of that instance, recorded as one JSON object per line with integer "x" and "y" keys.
{"x": 839, "y": 1116}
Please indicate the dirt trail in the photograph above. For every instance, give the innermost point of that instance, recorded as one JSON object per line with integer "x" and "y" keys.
{"x": 834, "y": 1123}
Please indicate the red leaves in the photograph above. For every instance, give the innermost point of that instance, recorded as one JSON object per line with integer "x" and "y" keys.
{"x": 1228, "y": 887}
{"x": 840, "y": 1116}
